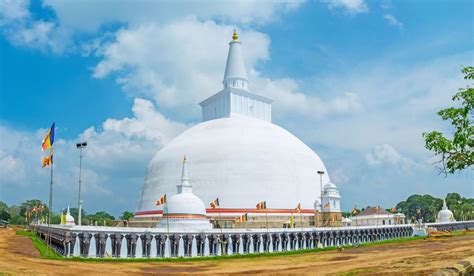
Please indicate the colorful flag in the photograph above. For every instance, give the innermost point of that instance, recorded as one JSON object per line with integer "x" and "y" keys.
{"x": 298, "y": 208}
{"x": 243, "y": 218}
{"x": 262, "y": 205}
{"x": 393, "y": 209}
{"x": 48, "y": 160}
{"x": 63, "y": 218}
{"x": 354, "y": 211}
{"x": 327, "y": 205}
{"x": 215, "y": 203}
{"x": 48, "y": 140}
{"x": 161, "y": 201}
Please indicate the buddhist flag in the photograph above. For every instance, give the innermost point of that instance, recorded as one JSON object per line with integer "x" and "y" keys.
{"x": 243, "y": 218}
{"x": 298, "y": 208}
{"x": 161, "y": 201}
{"x": 262, "y": 205}
{"x": 354, "y": 211}
{"x": 215, "y": 203}
{"x": 47, "y": 160}
{"x": 327, "y": 205}
{"x": 48, "y": 140}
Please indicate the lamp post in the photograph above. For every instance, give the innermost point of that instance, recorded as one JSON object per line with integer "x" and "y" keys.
{"x": 80, "y": 146}
{"x": 321, "y": 194}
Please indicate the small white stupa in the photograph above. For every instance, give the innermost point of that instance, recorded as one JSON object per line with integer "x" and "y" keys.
{"x": 69, "y": 218}
{"x": 445, "y": 215}
{"x": 184, "y": 211}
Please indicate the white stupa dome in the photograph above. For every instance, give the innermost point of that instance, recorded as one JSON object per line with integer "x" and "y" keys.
{"x": 184, "y": 210}
{"x": 330, "y": 189}
{"x": 445, "y": 215}
{"x": 237, "y": 154}
{"x": 186, "y": 204}
{"x": 69, "y": 218}
{"x": 240, "y": 160}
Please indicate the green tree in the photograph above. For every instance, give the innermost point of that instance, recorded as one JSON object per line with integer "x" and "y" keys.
{"x": 3, "y": 206}
{"x": 100, "y": 217}
{"x": 456, "y": 153}
{"x": 4, "y": 215}
{"x": 420, "y": 206}
{"x": 126, "y": 215}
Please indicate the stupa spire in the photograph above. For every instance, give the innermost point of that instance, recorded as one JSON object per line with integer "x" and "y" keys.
{"x": 184, "y": 186}
{"x": 184, "y": 172}
{"x": 235, "y": 73}
{"x": 444, "y": 205}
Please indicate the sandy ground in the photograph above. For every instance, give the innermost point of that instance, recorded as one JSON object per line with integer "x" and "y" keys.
{"x": 18, "y": 256}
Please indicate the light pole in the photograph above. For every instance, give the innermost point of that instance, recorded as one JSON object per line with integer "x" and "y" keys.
{"x": 321, "y": 194}
{"x": 80, "y": 146}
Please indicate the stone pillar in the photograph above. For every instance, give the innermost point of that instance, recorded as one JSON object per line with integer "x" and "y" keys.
{"x": 84, "y": 240}
{"x": 266, "y": 242}
{"x": 275, "y": 242}
{"x": 300, "y": 237}
{"x": 100, "y": 241}
{"x": 116, "y": 241}
{"x": 307, "y": 240}
{"x": 292, "y": 237}
{"x": 188, "y": 245}
{"x": 131, "y": 245}
{"x": 146, "y": 245}
{"x": 174, "y": 244}
{"x": 284, "y": 241}
{"x": 224, "y": 244}
{"x": 314, "y": 239}
{"x": 72, "y": 244}
{"x": 235, "y": 238}
{"x": 246, "y": 243}
{"x": 213, "y": 244}
{"x": 160, "y": 245}
{"x": 200, "y": 243}
{"x": 67, "y": 243}
{"x": 256, "y": 243}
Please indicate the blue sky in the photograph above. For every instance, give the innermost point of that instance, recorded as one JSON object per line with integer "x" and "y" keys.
{"x": 358, "y": 81}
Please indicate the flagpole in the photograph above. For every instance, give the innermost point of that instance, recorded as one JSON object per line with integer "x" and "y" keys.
{"x": 266, "y": 219}
{"x": 167, "y": 219}
{"x": 301, "y": 221}
{"x": 50, "y": 208}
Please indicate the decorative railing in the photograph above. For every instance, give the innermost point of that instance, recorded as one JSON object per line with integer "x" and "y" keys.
{"x": 124, "y": 242}
{"x": 451, "y": 226}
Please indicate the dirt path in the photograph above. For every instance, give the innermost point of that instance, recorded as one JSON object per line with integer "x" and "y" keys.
{"x": 18, "y": 256}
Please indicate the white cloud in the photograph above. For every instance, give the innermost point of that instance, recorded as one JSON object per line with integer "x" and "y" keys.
{"x": 383, "y": 154}
{"x": 12, "y": 10}
{"x": 189, "y": 54}
{"x": 192, "y": 54}
{"x": 349, "y": 6}
{"x": 134, "y": 13}
{"x": 114, "y": 160}
{"x": 392, "y": 20}
{"x": 289, "y": 101}
{"x": 19, "y": 27}
{"x": 57, "y": 34}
